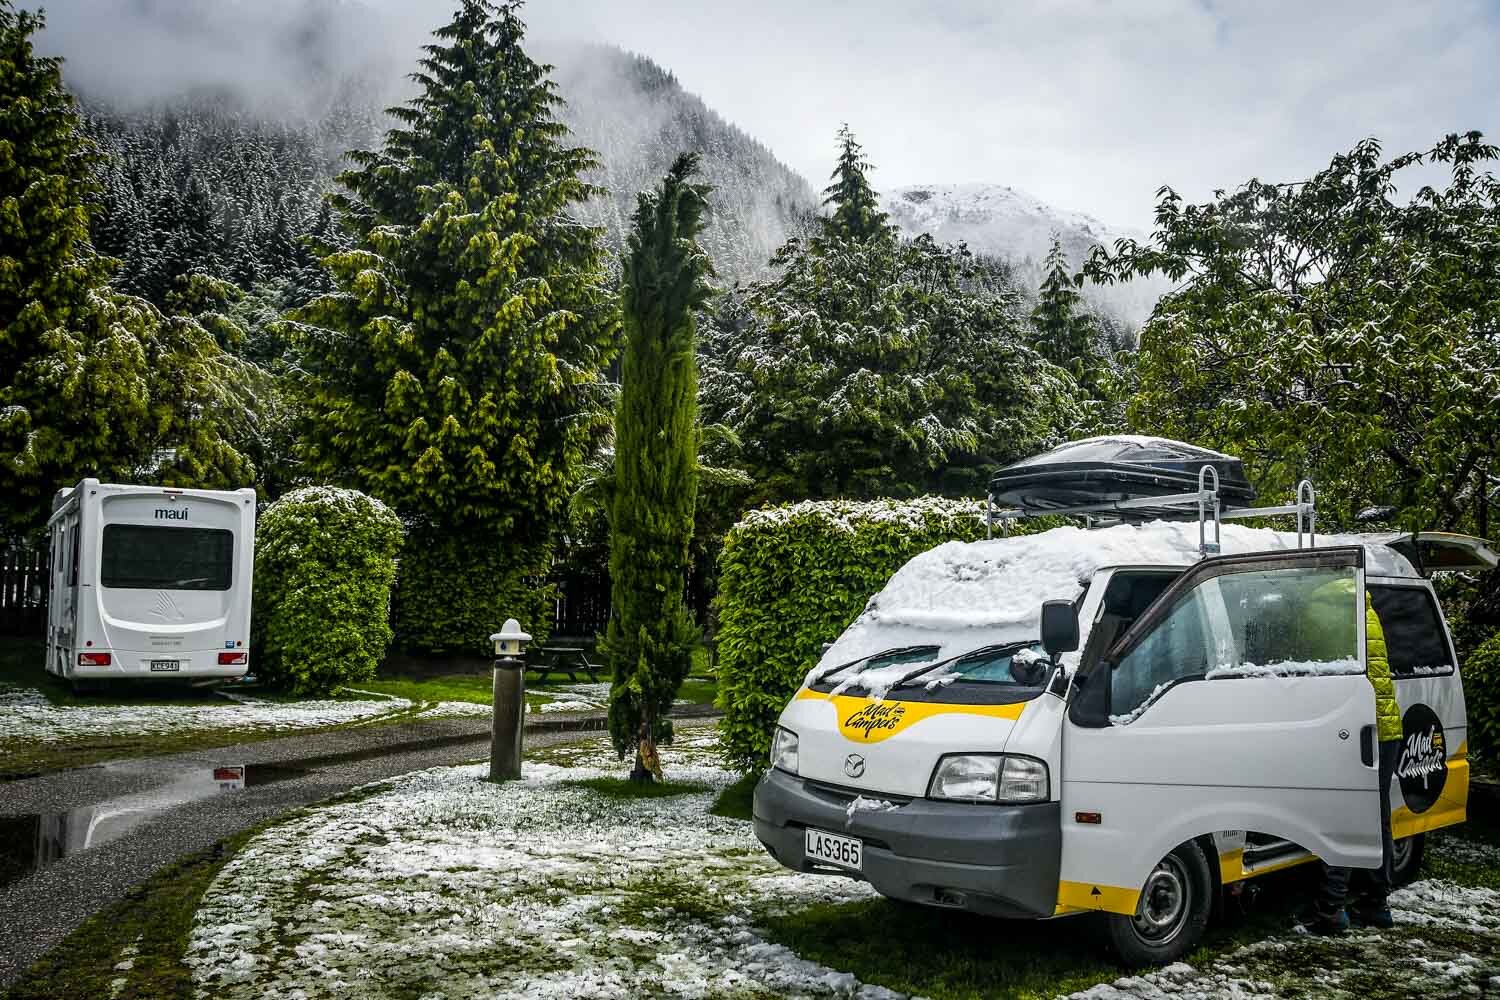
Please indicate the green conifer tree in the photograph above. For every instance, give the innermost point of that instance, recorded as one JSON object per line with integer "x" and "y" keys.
{"x": 456, "y": 371}
{"x": 856, "y": 207}
{"x": 91, "y": 382}
{"x": 1063, "y": 331}
{"x": 652, "y": 635}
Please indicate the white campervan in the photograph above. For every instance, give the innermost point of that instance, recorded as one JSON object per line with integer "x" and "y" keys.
{"x": 149, "y": 582}
{"x": 1129, "y": 719}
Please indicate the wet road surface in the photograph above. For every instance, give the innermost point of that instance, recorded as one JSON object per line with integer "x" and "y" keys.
{"x": 75, "y": 841}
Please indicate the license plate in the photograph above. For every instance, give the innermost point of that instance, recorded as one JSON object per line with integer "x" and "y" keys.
{"x": 834, "y": 849}
{"x": 163, "y": 666}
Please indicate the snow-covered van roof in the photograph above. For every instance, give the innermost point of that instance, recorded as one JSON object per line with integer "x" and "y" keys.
{"x": 962, "y": 595}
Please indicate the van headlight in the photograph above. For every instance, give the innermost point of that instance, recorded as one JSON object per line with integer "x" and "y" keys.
{"x": 784, "y": 750}
{"x": 990, "y": 777}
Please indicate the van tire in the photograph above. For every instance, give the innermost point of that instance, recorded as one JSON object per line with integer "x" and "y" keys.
{"x": 1173, "y": 911}
{"x": 1406, "y": 859}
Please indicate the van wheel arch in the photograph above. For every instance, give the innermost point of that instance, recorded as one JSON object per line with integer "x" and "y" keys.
{"x": 1176, "y": 901}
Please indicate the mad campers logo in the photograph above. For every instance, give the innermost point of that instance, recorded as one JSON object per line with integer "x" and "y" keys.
{"x": 1423, "y": 766}
{"x": 874, "y": 722}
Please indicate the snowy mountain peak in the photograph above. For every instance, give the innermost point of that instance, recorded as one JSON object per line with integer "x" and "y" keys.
{"x": 1004, "y": 222}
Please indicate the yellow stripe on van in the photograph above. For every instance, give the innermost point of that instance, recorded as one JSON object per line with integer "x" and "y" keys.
{"x": 1232, "y": 866}
{"x": 1076, "y": 896}
{"x": 864, "y": 720}
{"x": 1451, "y": 807}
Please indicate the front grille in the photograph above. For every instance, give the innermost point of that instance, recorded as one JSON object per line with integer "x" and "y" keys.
{"x": 842, "y": 796}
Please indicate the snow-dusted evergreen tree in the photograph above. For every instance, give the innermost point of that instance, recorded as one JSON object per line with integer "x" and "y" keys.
{"x": 856, "y": 206}
{"x": 879, "y": 367}
{"x": 457, "y": 371}
{"x": 1062, "y": 330}
{"x": 651, "y": 637}
{"x": 91, "y": 382}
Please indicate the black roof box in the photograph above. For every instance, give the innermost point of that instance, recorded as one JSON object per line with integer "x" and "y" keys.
{"x": 1104, "y": 470}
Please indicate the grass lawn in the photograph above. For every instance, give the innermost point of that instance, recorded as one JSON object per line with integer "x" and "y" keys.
{"x": 614, "y": 892}
{"x": 476, "y": 688}
{"x": 624, "y": 788}
{"x": 147, "y": 929}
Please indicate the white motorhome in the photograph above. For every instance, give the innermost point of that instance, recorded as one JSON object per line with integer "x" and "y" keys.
{"x": 149, "y": 582}
{"x": 1127, "y": 719}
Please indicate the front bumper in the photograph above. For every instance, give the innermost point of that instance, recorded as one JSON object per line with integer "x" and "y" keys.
{"x": 1000, "y": 860}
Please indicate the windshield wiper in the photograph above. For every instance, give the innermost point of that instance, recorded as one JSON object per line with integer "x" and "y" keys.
{"x": 894, "y": 651}
{"x": 992, "y": 648}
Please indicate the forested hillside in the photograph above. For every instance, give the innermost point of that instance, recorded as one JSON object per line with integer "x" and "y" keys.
{"x": 216, "y": 184}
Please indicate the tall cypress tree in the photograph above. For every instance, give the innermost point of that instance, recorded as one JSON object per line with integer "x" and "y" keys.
{"x": 1062, "y": 330}
{"x": 456, "y": 371}
{"x": 856, "y": 207}
{"x": 651, "y": 635}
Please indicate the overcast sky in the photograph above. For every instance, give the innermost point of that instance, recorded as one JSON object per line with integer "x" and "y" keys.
{"x": 1088, "y": 104}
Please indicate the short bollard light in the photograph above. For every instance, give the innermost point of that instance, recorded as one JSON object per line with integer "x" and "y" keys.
{"x": 510, "y": 701}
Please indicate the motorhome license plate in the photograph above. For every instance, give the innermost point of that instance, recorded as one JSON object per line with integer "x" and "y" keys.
{"x": 833, "y": 849}
{"x": 163, "y": 666}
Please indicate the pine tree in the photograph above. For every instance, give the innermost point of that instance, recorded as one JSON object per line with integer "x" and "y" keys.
{"x": 856, "y": 208}
{"x": 651, "y": 635}
{"x": 1063, "y": 332}
{"x": 91, "y": 383}
{"x": 456, "y": 371}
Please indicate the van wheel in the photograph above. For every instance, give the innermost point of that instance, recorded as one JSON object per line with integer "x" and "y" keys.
{"x": 1172, "y": 913}
{"x": 1406, "y": 859}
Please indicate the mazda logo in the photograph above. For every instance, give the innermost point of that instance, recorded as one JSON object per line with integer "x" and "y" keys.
{"x": 854, "y": 765}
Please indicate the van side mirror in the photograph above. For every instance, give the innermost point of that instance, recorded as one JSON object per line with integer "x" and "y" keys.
{"x": 1059, "y": 627}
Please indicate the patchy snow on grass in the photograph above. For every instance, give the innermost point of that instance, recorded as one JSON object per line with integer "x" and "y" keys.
{"x": 26, "y": 716}
{"x": 1430, "y": 953}
{"x": 570, "y": 705}
{"x": 438, "y": 884}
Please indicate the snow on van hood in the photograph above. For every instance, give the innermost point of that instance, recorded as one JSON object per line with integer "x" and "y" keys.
{"x": 962, "y": 595}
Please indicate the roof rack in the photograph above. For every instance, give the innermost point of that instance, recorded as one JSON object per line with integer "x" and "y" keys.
{"x": 1205, "y": 500}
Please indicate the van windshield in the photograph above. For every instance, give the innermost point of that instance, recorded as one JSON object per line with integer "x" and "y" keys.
{"x": 921, "y": 674}
{"x": 155, "y": 557}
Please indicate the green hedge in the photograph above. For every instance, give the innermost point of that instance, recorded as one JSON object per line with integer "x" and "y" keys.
{"x": 324, "y": 561}
{"x": 792, "y": 578}
{"x": 1481, "y": 673}
{"x": 457, "y": 588}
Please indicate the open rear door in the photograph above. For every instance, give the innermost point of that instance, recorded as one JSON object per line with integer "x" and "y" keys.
{"x": 1434, "y": 551}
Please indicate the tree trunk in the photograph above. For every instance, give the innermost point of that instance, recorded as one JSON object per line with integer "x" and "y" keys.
{"x": 647, "y": 760}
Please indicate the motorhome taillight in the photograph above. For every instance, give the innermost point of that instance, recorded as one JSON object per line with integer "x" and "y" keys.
{"x": 93, "y": 659}
{"x": 230, "y": 659}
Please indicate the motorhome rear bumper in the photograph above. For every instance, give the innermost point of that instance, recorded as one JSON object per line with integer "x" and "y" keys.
{"x": 1001, "y": 860}
{"x": 136, "y": 665}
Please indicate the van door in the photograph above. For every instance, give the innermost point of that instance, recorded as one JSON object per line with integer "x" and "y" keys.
{"x": 1237, "y": 701}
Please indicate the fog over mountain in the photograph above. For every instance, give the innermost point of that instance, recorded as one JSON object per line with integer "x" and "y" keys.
{"x": 999, "y": 220}
{"x": 325, "y": 69}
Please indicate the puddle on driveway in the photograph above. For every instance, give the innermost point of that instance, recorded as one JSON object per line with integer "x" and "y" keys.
{"x": 34, "y": 841}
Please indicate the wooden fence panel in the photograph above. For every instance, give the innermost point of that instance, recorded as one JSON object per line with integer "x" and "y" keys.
{"x": 23, "y": 590}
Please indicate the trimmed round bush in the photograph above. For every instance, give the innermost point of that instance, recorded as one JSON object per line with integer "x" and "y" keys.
{"x": 325, "y": 559}
{"x": 792, "y": 578}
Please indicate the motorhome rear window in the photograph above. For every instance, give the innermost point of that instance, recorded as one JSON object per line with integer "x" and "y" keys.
{"x": 1414, "y": 639}
{"x": 152, "y": 557}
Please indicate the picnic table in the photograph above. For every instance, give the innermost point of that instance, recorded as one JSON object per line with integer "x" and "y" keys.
{"x": 570, "y": 660}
